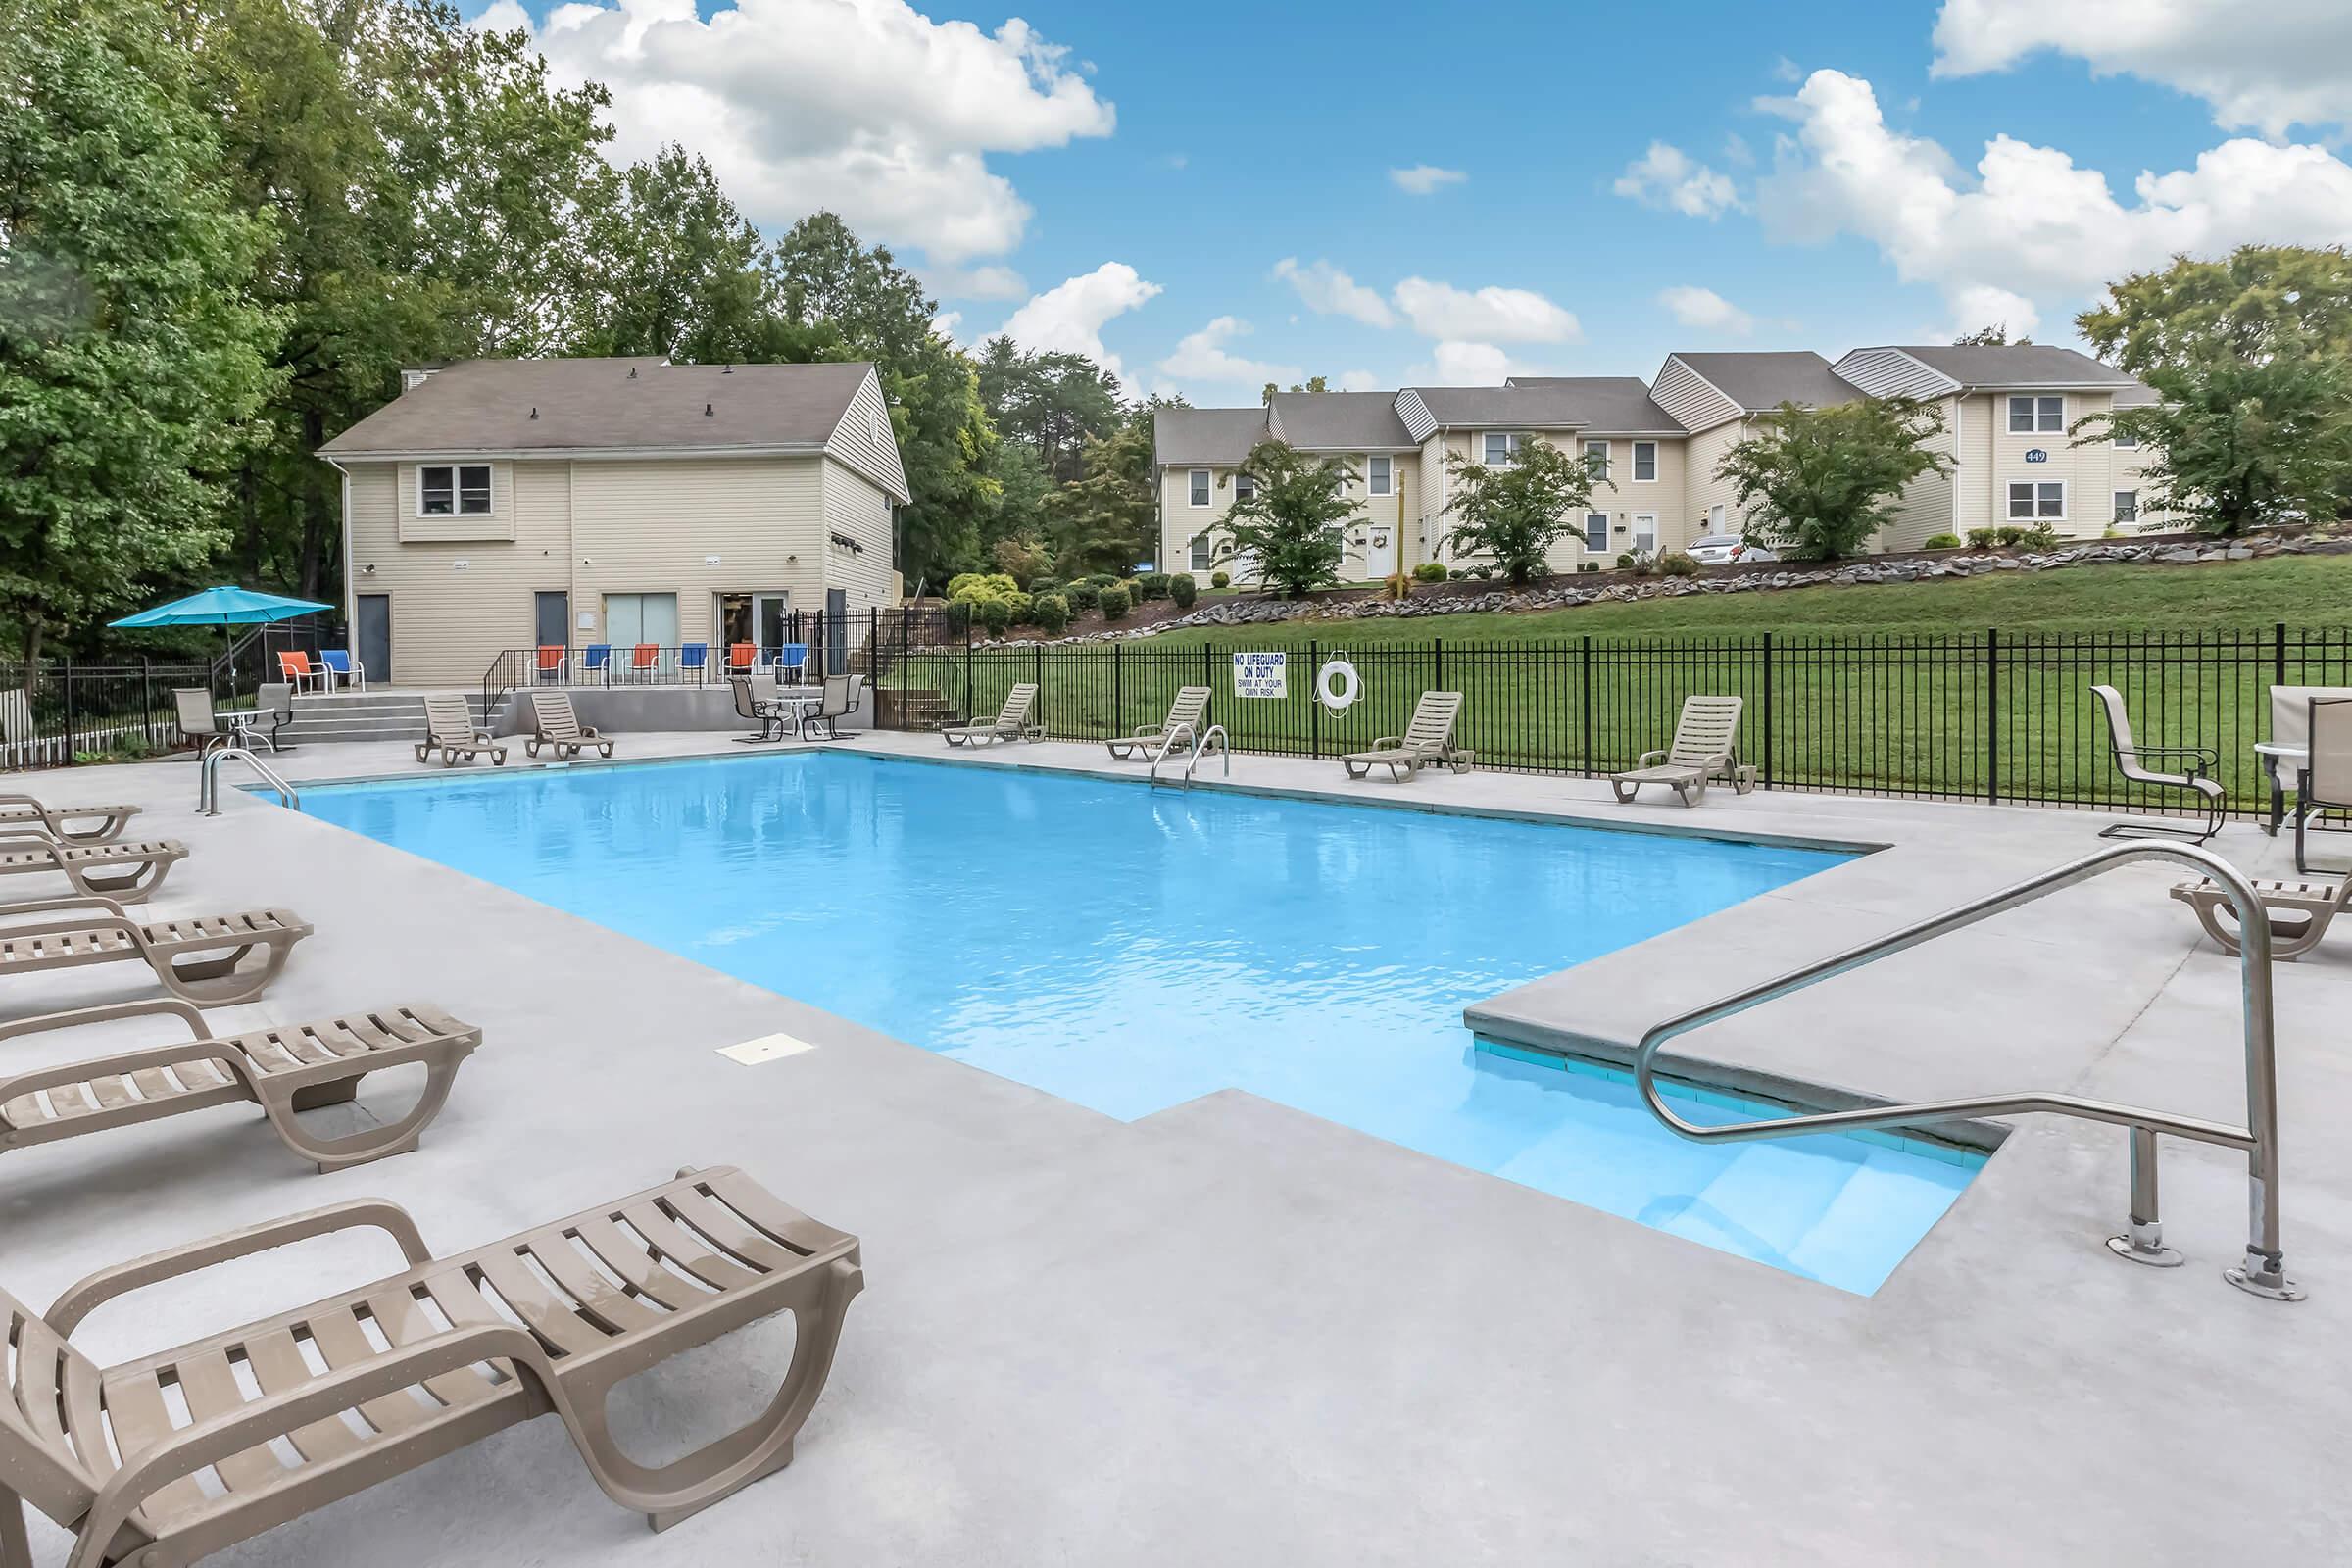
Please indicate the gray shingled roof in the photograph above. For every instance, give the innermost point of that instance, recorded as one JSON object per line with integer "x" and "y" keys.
{"x": 1348, "y": 421}
{"x": 600, "y": 405}
{"x": 1612, "y": 402}
{"x": 2014, "y": 364}
{"x": 1757, "y": 381}
{"x": 1205, "y": 436}
{"x": 1544, "y": 406}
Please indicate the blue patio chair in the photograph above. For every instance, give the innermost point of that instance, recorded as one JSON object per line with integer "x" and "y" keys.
{"x": 791, "y": 659}
{"x": 597, "y": 660}
{"x": 342, "y": 670}
{"x": 693, "y": 660}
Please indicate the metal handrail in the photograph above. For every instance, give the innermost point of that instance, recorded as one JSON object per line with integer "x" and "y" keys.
{"x": 2263, "y": 1272}
{"x": 208, "y": 786}
{"x": 1167, "y": 743}
{"x": 1216, "y": 732}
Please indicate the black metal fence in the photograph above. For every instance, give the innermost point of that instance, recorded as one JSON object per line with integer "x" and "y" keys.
{"x": 52, "y": 711}
{"x": 1986, "y": 716}
{"x": 814, "y": 644}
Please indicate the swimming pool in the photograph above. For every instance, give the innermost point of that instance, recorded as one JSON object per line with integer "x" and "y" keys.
{"x": 1132, "y": 949}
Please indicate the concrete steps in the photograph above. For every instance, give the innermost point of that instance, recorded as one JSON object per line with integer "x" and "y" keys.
{"x": 326, "y": 718}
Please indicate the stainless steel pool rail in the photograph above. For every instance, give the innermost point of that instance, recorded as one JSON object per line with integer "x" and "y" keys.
{"x": 208, "y": 786}
{"x": 2263, "y": 1272}
{"x": 1167, "y": 745}
{"x": 1224, "y": 744}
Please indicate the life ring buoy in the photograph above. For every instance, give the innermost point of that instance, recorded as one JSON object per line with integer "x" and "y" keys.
{"x": 1338, "y": 686}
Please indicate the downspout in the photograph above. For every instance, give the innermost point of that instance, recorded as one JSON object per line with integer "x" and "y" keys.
{"x": 351, "y": 589}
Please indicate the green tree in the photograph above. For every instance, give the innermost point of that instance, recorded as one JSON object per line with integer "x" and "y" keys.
{"x": 1054, "y": 403}
{"x": 1516, "y": 511}
{"x": 1313, "y": 383}
{"x": 129, "y": 353}
{"x": 1103, "y": 521}
{"x": 677, "y": 266}
{"x": 1818, "y": 482}
{"x": 1291, "y": 524}
{"x": 1995, "y": 336}
{"x": 2261, "y": 302}
{"x": 2243, "y": 444}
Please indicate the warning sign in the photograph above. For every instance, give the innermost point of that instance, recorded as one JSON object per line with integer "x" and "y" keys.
{"x": 1260, "y": 675}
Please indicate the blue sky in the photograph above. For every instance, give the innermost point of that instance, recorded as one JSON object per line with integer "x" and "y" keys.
{"x": 1614, "y": 182}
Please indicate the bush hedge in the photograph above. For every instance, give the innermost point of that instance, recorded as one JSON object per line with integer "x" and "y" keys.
{"x": 1942, "y": 541}
{"x": 1112, "y": 602}
{"x": 1052, "y": 613}
{"x": 1431, "y": 571}
{"x": 1220, "y": 579}
{"x": 1183, "y": 590}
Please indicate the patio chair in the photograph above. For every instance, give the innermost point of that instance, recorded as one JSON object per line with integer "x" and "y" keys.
{"x": 558, "y": 728}
{"x": 821, "y": 717}
{"x": 792, "y": 663}
{"x": 126, "y": 872}
{"x": 770, "y": 713}
{"x": 295, "y": 669}
{"x": 596, "y": 660}
{"x": 2300, "y": 912}
{"x": 201, "y": 958}
{"x": 2324, "y": 783}
{"x": 551, "y": 663}
{"x": 199, "y": 721}
{"x": 2131, "y": 760}
{"x": 1706, "y": 746}
{"x": 340, "y": 668}
{"x": 282, "y": 1069}
{"x": 645, "y": 660}
{"x": 694, "y": 659}
{"x": 1184, "y": 712}
{"x": 742, "y": 657}
{"x": 1011, "y": 723}
{"x": 471, "y": 1345}
{"x": 449, "y": 729}
{"x": 25, "y": 811}
{"x": 1427, "y": 742}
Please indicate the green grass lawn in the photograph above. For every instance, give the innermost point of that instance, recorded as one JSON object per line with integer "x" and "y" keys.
{"x": 1972, "y": 689}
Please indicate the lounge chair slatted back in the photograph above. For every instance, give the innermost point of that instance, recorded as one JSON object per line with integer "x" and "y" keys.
{"x": 1434, "y": 716}
{"x": 1706, "y": 745}
{"x": 1190, "y": 707}
{"x": 556, "y": 726}
{"x": 1017, "y": 703}
{"x": 37, "y": 1456}
{"x": 19, "y": 811}
{"x": 1708, "y": 730}
{"x": 1427, "y": 742}
{"x": 450, "y": 728}
{"x": 1012, "y": 720}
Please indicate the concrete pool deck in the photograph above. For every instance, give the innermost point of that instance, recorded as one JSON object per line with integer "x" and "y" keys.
{"x": 1232, "y": 1333}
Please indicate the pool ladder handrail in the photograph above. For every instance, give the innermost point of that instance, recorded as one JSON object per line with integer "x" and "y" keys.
{"x": 208, "y": 786}
{"x": 2263, "y": 1273}
{"x": 1198, "y": 743}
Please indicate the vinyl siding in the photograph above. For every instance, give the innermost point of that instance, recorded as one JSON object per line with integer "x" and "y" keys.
{"x": 450, "y": 620}
{"x": 857, "y": 508}
{"x": 1701, "y": 489}
{"x": 496, "y": 523}
{"x": 1992, "y": 458}
{"x": 1180, "y": 520}
{"x": 1926, "y": 507}
{"x": 1890, "y": 372}
{"x": 1690, "y": 397}
{"x": 649, "y": 526}
{"x": 864, "y": 442}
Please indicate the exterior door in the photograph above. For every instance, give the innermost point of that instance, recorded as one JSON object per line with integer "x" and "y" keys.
{"x": 551, "y": 618}
{"x": 1645, "y": 533}
{"x": 375, "y": 635}
{"x": 1379, "y": 550}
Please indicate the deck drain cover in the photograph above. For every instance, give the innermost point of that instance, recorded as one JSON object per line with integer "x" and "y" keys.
{"x": 768, "y": 1048}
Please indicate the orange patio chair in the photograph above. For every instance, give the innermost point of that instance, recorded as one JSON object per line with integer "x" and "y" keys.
{"x": 642, "y": 659}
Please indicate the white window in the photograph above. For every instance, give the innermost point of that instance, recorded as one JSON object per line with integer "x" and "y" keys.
{"x": 1501, "y": 448}
{"x": 2127, "y": 442}
{"x": 2126, "y": 506}
{"x": 2044, "y": 502}
{"x": 1597, "y": 531}
{"x": 1245, "y": 488}
{"x": 2028, "y": 415}
{"x": 453, "y": 489}
{"x": 1200, "y": 557}
{"x": 1645, "y": 462}
{"x": 1199, "y": 487}
{"x": 1596, "y": 459}
{"x": 1380, "y": 474}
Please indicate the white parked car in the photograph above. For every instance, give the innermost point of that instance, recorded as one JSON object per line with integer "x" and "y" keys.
{"x": 1724, "y": 549}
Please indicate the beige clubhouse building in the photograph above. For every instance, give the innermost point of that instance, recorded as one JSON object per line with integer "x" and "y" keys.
{"x": 2007, "y": 414}
{"x": 518, "y": 504}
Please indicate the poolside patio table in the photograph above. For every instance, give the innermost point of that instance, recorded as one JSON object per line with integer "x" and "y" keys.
{"x": 2287, "y": 750}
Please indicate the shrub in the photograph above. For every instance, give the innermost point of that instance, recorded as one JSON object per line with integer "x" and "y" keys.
{"x": 1112, "y": 602}
{"x": 994, "y": 613}
{"x": 1587, "y": 565}
{"x": 1625, "y": 561}
{"x": 2042, "y": 536}
{"x": 1081, "y": 594}
{"x": 1220, "y": 579}
{"x": 1981, "y": 538}
{"x": 1151, "y": 585}
{"x": 2008, "y": 533}
{"x": 1676, "y": 564}
{"x": 1646, "y": 566}
{"x": 1469, "y": 574}
{"x": 1183, "y": 590}
{"x": 981, "y": 585}
{"x": 1045, "y": 585}
{"x": 1052, "y": 613}
{"x": 1942, "y": 541}
{"x": 1431, "y": 571}
{"x": 1021, "y": 557}
{"x": 1021, "y": 605}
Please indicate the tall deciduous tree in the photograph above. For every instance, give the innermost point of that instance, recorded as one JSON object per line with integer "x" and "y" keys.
{"x": 1818, "y": 482}
{"x": 1292, "y": 520}
{"x": 676, "y": 266}
{"x": 1516, "y": 511}
{"x": 1055, "y": 402}
{"x": 130, "y": 351}
{"x": 1103, "y": 521}
{"x": 2260, "y": 302}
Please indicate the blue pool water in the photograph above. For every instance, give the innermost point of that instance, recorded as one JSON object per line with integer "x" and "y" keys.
{"x": 1131, "y": 948}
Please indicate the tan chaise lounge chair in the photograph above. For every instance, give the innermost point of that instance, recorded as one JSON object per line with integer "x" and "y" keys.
{"x": 282, "y": 1070}
{"x": 1706, "y": 746}
{"x": 2300, "y": 912}
{"x": 103, "y": 1451}
{"x": 1188, "y": 707}
{"x": 1011, "y": 723}
{"x": 25, "y": 811}
{"x": 558, "y": 728}
{"x": 1427, "y": 742}
{"x": 127, "y": 873}
{"x": 200, "y": 959}
{"x": 449, "y": 729}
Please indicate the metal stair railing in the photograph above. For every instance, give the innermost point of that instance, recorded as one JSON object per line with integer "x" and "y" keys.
{"x": 2263, "y": 1272}
{"x": 1167, "y": 745}
{"x": 1224, "y": 745}
{"x": 208, "y": 785}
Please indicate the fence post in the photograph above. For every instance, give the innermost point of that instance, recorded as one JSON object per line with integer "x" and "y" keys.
{"x": 1314, "y": 708}
{"x": 2279, "y": 654}
{"x": 1992, "y": 714}
{"x": 1436, "y": 650}
{"x": 1037, "y": 673}
{"x": 69, "y": 678}
{"x": 146, "y": 700}
{"x": 1118, "y": 687}
{"x": 1768, "y": 710}
{"x": 967, "y": 681}
{"x": 1585, "y": 705}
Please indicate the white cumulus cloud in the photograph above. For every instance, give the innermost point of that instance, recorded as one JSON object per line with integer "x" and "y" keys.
{"x": 975, "y": 282}
{"x": 1425, "y": 179}
{"x": 2267, "y": 66}
{"x": 2032, "y": 228}
{"x": 1357, "y": 381}
{"x": 1203, "y": 357}
{"x": 1328, "y": 291}
{"x": 1671, "y": 179}
{"x": 1489, "y": 315}
{"x": 866, "y": 107}
{"x": 1705, "y": 310}
{"x": 1069, "y": 316}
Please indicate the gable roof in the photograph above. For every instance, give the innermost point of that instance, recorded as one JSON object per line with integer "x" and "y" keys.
{"x": 1980, "y": 365}
{"x": 609, "y": 405}
{"x": 1343, "y": 421}
{"x": 1762, "y": 380}
{"x": 1181, "y": 436}
{"x": 1532, "y": 406}
{"x": 1619, "y": 404}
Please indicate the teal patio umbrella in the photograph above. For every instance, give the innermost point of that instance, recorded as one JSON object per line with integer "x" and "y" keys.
{"x": 223, "y": 607}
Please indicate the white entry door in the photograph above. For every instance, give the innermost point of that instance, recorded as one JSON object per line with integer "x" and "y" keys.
{"x": 1645, "y": 533}
{"x": 1379, "y": 550}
